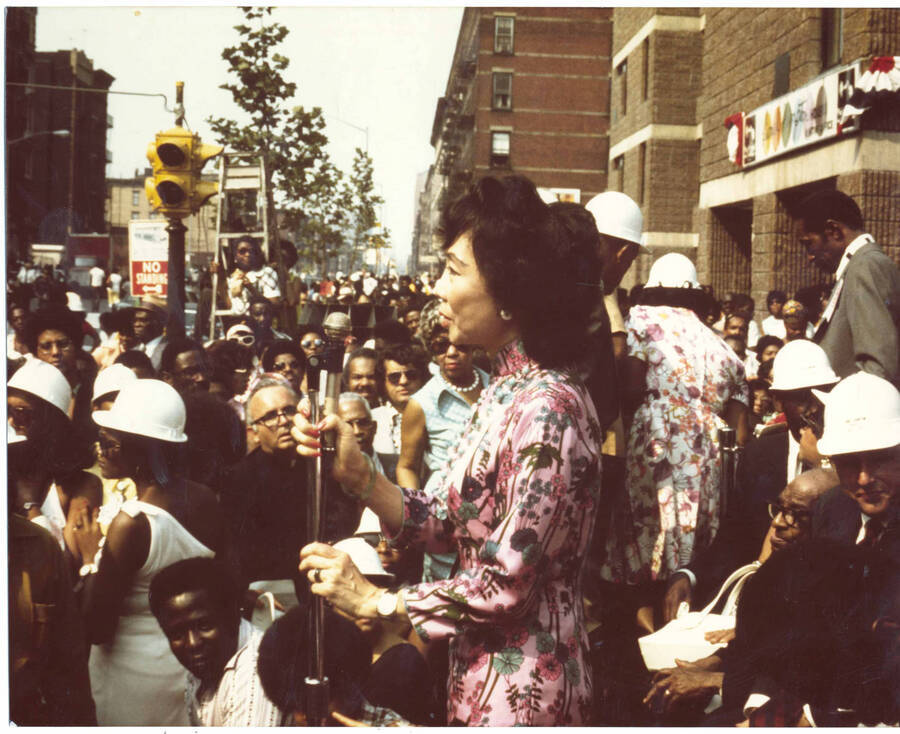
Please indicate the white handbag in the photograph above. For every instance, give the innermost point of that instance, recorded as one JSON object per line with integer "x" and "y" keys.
{"x": 684, "y": 637}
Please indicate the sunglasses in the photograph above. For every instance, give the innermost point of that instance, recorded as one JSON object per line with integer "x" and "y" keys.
{"x": 284, "y": 366}
{"x": 440, "y": 346}
{"x": 271, "y": 419}
{"x": 395, "y": 377}
{"x": 107, "y": 447}
{"x": 312, "y": 343}
{"x": 246, "y": 339}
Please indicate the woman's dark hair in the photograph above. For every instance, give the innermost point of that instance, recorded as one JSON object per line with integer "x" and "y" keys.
{"x": 226, "y": 356}
{"x": 284, "y": 660}
{"x": 765, "y": 371}
{"x": 282, "y": 346}
{"x": 197, "y": 574}
{"x": 766, "y": 341}
{"x": 216, "y": 438}
{"x": 164, "y": 461}
{"x": 58, "y": 318}
{"x": 775, "y": 295}
{"x": 540, "y": 264}
{"x": 758, "y": 384}
{"x": 695, "y": 299}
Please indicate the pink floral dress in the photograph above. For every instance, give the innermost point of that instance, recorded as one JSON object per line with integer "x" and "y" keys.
{"x": 521, "y": 490}
{"x": 670, "y": 507}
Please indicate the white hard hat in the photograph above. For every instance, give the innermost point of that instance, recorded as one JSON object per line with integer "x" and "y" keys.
{"x": 364, "y": 557}
{"x": 862, "y": 413}
{"x": 673, "y": 271}
{"x": 368, "y": 523}
{"x": 801, "y": 364}
{"x": 112, "y": 379}
{"x": 43, "y": 380}
{"x": 616, "y": 215}
{"x": 150, "y": 408}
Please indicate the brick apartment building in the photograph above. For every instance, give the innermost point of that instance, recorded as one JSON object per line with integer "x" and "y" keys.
{"x": 528, "y": 93}
{"x": 61, "y": 186}
{"x": 776, "y": 76}
{"x": 126, "y": 201}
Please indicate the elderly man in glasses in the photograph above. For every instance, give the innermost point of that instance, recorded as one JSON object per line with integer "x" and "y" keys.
{"x": 264, "y": 498}
{"x": 401, "y": 371}
{"x": 692, "y": 684}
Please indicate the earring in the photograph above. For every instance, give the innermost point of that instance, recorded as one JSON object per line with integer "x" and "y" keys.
{"x": 505, "y": 315}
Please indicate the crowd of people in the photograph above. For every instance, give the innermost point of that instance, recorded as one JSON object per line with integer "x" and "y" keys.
{"x": 527, "y": 509}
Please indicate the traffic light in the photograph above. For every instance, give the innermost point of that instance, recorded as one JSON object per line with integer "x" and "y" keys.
{"x": 203, "y": 190}
{"x": 177, "y": 157}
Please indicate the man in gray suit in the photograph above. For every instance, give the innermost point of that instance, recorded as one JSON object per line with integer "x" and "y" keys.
{"x": 858, "y": 330}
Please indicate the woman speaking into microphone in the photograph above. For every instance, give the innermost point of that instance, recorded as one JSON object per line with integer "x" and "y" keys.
{"x": 522, "y": 483}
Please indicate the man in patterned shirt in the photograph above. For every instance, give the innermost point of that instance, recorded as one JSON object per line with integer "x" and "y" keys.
{"x": 250, "y": 277}
{"x": 197, "y": 604}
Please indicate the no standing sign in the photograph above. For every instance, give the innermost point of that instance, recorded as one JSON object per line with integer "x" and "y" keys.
{"x": 148, "y": 253}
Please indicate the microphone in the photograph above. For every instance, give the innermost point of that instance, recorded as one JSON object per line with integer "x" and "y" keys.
{"x": 337, "y": 327}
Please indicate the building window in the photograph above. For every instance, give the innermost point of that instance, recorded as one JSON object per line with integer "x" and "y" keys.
{"x": 619, "y": 167}
{"x": 135, "y": 197}
{"x": 502, "y": 98}
{"x": 642, "y": 173}
{"x": 135, "y": 215}
{"x": 499, "y": 150}
{"x": 503, "y": 34}
{"x": 645, "y": 70}
{"x": 832, "y": 36}
{"x": 622, "y": 74}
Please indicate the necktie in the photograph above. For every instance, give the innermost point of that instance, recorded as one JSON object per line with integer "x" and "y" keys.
{"x": 874, "y": 529}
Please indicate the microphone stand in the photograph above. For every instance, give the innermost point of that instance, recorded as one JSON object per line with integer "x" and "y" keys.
{"x": 337, "y": 326}
{"x": 316, "y": 683}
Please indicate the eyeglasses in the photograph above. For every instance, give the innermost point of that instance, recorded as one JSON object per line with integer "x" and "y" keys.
{"x": 243, "y": 251}
{"x": 271, "y": 419}
{"x": 792, "y": 516}
{"x": 284, "y": 366}
{"x": 373, "y": 539}
{"x": 246, "y": 339}
{"x": 395, "y": 377}
{"x": 440, "y": 346}
{"x": 312, "y": 343}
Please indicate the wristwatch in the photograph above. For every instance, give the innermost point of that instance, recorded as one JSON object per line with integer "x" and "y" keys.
{"x": 386, "y": 606}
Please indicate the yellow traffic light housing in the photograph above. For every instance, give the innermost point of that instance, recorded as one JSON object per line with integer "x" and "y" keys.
{"x": 177, "y": 157}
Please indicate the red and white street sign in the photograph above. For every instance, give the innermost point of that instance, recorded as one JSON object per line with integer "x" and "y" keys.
{"x": 148, "y": 254}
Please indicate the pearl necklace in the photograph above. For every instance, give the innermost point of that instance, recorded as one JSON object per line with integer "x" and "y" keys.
{"x": 475, "y": 383}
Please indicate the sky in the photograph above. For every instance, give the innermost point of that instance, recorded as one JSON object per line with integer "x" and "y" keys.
{"x": 381, "y": 68}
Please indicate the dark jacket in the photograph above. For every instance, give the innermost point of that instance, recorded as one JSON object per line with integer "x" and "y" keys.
{"x": 49, "y": 683}
{"x": 265, "y": 509}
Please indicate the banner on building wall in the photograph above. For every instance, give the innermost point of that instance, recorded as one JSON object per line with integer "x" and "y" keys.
{"x": 550, "y": 195}
{"x": 148, "y": 255}
{"x": 802, "y": 117}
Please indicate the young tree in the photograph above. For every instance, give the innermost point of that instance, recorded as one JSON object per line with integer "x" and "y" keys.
{"x": 365, "y": 201}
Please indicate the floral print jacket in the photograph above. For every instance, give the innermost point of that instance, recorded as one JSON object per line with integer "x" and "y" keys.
{"x": 520, "y": 497}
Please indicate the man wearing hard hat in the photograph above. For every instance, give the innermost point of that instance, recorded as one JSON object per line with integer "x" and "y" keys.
{"x": 862, "y": 437}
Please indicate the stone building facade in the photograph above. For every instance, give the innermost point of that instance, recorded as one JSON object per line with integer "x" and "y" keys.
{"x": 680, "y": 73}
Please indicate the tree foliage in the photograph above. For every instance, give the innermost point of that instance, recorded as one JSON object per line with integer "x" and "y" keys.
{"x": 327, "y": 211}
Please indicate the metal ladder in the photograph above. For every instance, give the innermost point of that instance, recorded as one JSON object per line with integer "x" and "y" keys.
{"x": 240, "y": 174}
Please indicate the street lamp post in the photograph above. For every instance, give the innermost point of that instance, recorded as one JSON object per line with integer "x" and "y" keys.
{"x": 58, "y": 133}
